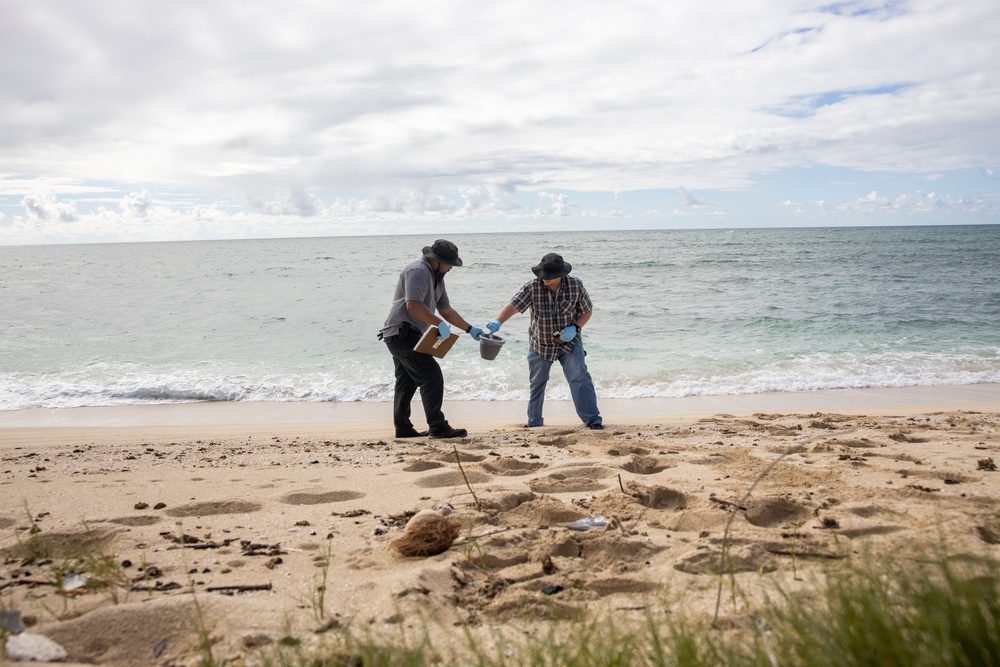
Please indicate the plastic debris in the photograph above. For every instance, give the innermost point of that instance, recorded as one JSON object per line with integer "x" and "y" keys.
{"x": 588, "y": 523}
{"x": 72, "y": 582}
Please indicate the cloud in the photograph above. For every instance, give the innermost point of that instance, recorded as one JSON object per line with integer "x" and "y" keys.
{"x": 291, "y": 202}
{"x": 920, "y": 203}
{"x": 43, "y": 207}
{"x": 689, "y": 198}
{"x": 383, "y": 109}
{"x": 136, "y": 204}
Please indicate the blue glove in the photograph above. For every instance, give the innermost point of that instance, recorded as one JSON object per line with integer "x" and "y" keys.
{"x": 475, "y": 332}
{"x": 494, "y": 326}
{"x": 443, "y": 330}
{"x": 568, "y": 334}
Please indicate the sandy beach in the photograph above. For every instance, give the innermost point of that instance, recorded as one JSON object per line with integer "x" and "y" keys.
{"x": 125, "y": 531}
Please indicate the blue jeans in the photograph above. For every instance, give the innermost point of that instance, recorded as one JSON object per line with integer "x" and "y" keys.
{"x": 581, "y": 386}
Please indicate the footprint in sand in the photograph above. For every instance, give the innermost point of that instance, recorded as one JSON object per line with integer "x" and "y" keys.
{"x": 858, "y": 443}
{"x": 557, "y": 441}
{"x": 213, "y": 507}
{"x": 451, "y": 478}
{"x": 869, "y": 530}
{"x": 544, "y": 511}
{"x": 571, "y": 480}
{"x": 60, "y": 546}
{"x": 136, "y": 521}
{"x": 637, "y": 451}
{"x": 657, "y": 497}
{"x": 946, "y": 477}
{"x": 750, "y": 558}
{"x": 775, "y": 512}
{"x": 117, "y": 634}
{"x": 869, "y": 511}
{"x": 647, "y": 465}
{"x": 989, "y": 532}
{"x": 612, "y": 585}
{"x": 511, "y": 467}
{"x": 507, "y": 501}
{"x": 464, "y": 457}
{"x": 422, "y": 466}
{"x": 319, "y": 497}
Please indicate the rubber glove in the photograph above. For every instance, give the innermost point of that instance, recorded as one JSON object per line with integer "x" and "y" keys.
{"x": 494, "y": 326}
{"x": 568, "y": 334}
{"x": 475, "y": 332}
{"x": 443, "y": 330}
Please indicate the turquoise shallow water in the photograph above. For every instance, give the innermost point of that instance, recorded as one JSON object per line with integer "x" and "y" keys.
{"x": 677, "y": 313}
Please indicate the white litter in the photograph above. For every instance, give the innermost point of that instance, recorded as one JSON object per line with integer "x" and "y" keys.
{"x": 27, "y": 647}
{"x": 588, "y": 523}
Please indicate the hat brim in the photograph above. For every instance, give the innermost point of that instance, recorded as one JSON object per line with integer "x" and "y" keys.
{"x": 428, "y": 252}
{"x": 552, "y": 275}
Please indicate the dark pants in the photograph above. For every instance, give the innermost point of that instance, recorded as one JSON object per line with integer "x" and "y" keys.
{"x": 415, "y": 370}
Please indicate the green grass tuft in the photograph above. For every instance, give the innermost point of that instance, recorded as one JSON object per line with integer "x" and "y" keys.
{"x": 941, "y": 612}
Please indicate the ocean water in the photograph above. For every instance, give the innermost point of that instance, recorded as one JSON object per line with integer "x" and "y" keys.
{"x": 676, "y": 313}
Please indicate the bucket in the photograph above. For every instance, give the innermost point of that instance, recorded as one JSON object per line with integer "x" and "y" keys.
{"x": 489, "y": 346}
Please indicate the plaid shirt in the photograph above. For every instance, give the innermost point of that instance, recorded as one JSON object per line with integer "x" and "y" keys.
{"x": 551, "y": 313}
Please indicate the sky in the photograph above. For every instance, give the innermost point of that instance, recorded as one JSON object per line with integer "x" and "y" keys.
{"x": 146, "y": 120}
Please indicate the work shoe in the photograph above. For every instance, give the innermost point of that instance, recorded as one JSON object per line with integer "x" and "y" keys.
{"x": 596, "y": 427}
{"x": 450, "y": 432}
{"x": 411, "y": 433}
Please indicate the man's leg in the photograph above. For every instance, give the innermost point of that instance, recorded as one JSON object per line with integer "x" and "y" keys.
{"x": 402, "y": 395}
{"x": 581, "y": 385}
{"x": 425, "y": 373}
{"x": 538, "y": 377}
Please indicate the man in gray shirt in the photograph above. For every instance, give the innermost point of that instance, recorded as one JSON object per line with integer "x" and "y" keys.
{"x": 420, "y": 291}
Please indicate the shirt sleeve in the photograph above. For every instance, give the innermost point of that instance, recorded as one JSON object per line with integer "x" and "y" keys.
{"x": 522, "y": 300}
{"x": 416, "y": 284}
{"x": 442, "y": 296}
{"x": 583, "y": 304}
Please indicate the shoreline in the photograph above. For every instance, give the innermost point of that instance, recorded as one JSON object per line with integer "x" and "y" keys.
{"x": 374, "y": 418}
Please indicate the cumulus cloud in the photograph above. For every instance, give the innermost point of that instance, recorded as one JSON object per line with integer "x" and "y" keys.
{"x": 554, "y": 204}
{"x": 45, "y": 207}
{"x": 296, "y": 202}
{"x": 920, "y": 203}
{"x": 136, "y": 204}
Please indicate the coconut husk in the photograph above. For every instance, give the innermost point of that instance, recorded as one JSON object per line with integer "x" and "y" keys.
{"x": 428, "y": 533}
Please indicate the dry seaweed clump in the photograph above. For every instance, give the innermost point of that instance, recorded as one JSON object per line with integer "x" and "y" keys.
{"x": 428, "y": 533}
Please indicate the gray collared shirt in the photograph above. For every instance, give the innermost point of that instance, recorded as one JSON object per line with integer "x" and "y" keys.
{"x": 417, "y": 282}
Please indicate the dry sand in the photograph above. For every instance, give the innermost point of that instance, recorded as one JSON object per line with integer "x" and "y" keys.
{"x": 234, "y": 516}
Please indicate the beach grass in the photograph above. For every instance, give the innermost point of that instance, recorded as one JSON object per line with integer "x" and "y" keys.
{"x": 938, "y": 611}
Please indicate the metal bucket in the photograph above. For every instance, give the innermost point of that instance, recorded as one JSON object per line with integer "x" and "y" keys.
{"x": 489, "y": 346}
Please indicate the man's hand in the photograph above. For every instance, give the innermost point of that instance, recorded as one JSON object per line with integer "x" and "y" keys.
{"x": 568, "y": 334}
{"x": 443, "y": 330}
{"x": 475, "y": 332}
{"x": 494, "y": 326}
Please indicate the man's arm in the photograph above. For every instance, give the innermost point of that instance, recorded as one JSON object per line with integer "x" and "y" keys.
{"x": 507, "y": 312}
{"x": 452, "y": 317}
{"x": 424, "y": 314}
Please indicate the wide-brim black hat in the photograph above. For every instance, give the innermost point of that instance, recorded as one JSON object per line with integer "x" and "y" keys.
{"x": 552, "y": 266}
{"x": 443, "y": 251}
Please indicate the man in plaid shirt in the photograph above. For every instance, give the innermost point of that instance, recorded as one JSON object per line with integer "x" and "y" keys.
{"x": 560, "y": 307}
